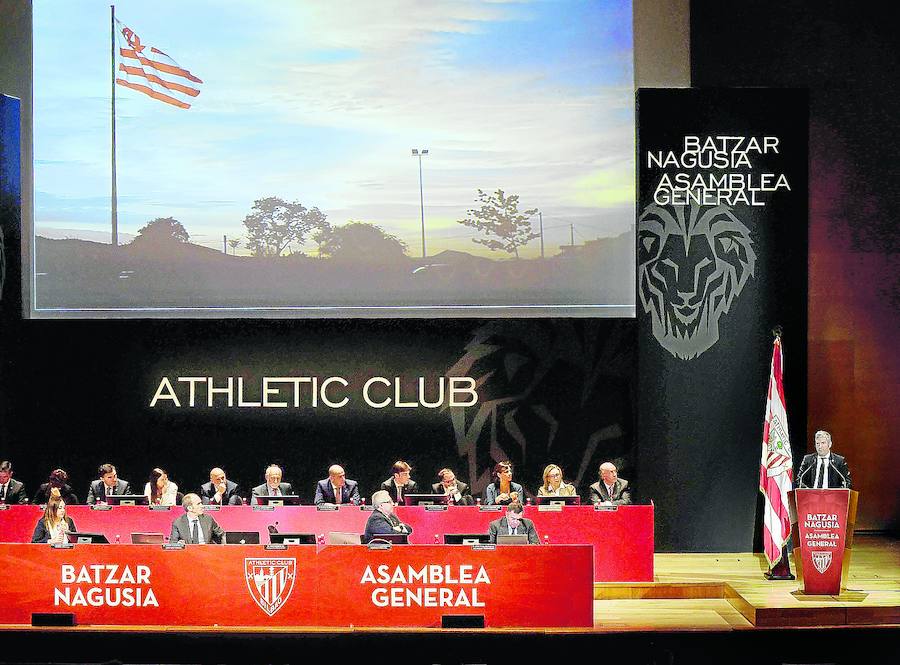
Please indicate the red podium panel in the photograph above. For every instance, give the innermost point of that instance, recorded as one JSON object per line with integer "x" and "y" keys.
{"x": 622, "y": 539}
{"x": 247, "y": 585}
{"x": 822, "y": 520}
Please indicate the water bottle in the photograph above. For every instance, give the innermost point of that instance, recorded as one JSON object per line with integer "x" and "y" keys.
{"x": 117, "y": 539}
{"x": 437, "y": 539}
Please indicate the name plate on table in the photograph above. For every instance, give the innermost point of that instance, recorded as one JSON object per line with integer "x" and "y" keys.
{"x": 605, "y": 508}
{"x": 435, "y": 508}
{"x": 62, "y": 546}
{"x": 490, "y": 509}
{"x": 211, "y": 506}
{"x": 366, "y": 509}
{"x": 173, "y": 546}
{"x": 161, "y": 508}
{"x": 270, "y": 506}
{"x": 550, "y": 507}
{"x": 276, "y": 546}
{"x": 326, "y": 506}
{"x": 3, "y": 506}
{"x": 484, "y": 546}
{"x": 100, "y": 506}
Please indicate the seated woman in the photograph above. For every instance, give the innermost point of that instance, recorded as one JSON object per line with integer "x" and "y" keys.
{"x": 159, "y": 490}
{"x": 553, "y": 483}
{"x": 503, "y": 490}
{"x": 59, "y": 480}
{"x": 54, "y": 524}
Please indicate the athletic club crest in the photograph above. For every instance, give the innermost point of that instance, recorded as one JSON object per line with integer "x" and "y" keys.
{"x": 821, "y": 560}
{"x": 270, "y": 582}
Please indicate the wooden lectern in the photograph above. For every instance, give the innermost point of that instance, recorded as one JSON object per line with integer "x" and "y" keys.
{"x": 822, "y": 522}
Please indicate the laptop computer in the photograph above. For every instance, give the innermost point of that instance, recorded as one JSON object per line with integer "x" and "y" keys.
{"x": 147, "y": 538}
{"x": 343, "y": 538}
{"x": 127, "y": 499}
{"x": 466, "y": 538}
{"x": 84, "y": 537}
{"x": 293, "y": 538}
{"x": 242, "y": 537}
{"x": 512, "y": 539}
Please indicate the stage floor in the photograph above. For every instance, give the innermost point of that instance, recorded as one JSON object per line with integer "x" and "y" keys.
{"x": 724, "y": 592}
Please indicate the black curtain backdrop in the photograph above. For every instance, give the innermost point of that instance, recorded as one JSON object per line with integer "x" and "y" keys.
{"x": 77, "y": 394}
{"x": 701, "y": 407}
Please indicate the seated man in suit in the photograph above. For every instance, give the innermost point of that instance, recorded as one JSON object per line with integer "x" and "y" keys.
{"x": 458, "y": 490}
{"x": 336, "y": 488}
{"x": 195, "y": 527}
{"x": 382, "y": 520}
{"x": 823, "y": 469}
{"x": 11, "y": 491}
{"x": 400, "y": 483}
{"x": 273, "y": 485}
{"x": 107, "y": 484}
{"x": 513, "y": 523}
{"x": 220, "y": 491}
{"x": 610, "y": 490}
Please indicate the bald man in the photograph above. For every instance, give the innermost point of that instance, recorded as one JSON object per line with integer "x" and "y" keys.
{"x": 220, "y": 491}
{"x": 336, "y": 488}
{"x": 610, "y": 490}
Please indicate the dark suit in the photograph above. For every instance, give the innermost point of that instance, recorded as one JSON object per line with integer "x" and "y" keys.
{"x": 621, "y": 494}
{"x": 325, "y": 492}
{"x": 42, "y": 496}
{"x": 389, "y": 487}
{"x": 379, "y": 523}
{"x": 525, "y": 527}
{"x": 230, "y": 498}
{"x": 465, "y": 498}
{"x": 806, "y": 476}
{"x": 97, "y": 491}
{"x": 263, "y": 490}
{"x": 41, "y": 535}
{"x": 15, "y": 492}
{"x": 212, "y": 532}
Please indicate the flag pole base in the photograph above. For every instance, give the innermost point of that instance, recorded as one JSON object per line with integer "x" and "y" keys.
{"x": 770, "y": 575}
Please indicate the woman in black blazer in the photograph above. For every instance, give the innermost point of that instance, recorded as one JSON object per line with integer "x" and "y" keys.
{"x": 54, "y": 524}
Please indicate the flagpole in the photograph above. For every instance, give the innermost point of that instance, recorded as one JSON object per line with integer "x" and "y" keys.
{"x": 114, "y": 213}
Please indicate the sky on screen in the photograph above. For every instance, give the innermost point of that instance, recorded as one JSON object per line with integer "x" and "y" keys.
{"x": 322, "y": 102}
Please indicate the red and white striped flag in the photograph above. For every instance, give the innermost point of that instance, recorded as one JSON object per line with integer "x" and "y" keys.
{"x": 776, "y": 466}
{"x": 152, "y": 72}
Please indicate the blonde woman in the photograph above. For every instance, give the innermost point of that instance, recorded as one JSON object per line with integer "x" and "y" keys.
{"x": 554, "y": 484}
{"x": 52, "y": 527}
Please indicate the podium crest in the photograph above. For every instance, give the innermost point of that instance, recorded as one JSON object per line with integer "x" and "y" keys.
{"x": 821, "y": 560}
{"x": 270, "y": 581}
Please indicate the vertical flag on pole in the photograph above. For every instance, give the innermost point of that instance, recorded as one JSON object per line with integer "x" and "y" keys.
{"x": 776, "y": 465}
{"x": 150, "y": 71}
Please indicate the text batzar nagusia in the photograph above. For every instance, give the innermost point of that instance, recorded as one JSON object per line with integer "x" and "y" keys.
{"x": 334, "y": 392}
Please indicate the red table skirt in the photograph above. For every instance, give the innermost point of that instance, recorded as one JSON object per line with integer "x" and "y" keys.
{"x": 304, "y": 585}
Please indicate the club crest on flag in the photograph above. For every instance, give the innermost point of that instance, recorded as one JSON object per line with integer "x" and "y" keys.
{"x": 821, "y": 560}
{"x": 270, "y": 582}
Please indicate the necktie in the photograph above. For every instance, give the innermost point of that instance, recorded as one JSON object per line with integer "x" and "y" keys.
{"x": 338, "y": 494}
{"x": 818, "y": 482}
{"x": 275, "y": 492}
{"x": 2, "y": 492}
{"x": 108, "y": 490}
{"x": 195, "y": 534}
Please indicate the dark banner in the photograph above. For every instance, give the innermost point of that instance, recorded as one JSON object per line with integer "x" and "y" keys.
{"x": 10, "y": 208}
{"x": 192, "y": 395}
{"x": 722, "y": 223}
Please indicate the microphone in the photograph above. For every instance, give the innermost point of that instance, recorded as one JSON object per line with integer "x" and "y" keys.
{"x": 843, "y": 478}
{"x": 800, "y": 479}
{"x": 273, "y": 528}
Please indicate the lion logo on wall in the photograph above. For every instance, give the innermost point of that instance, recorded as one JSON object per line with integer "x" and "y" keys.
{"x": 693, "y": 262}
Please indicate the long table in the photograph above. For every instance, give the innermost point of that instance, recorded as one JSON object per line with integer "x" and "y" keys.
{"x": 300, "y": 586}
{"x": 622, "y": 538}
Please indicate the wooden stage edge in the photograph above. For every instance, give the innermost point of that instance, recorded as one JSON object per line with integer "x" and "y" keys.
{"x": 717, "y": 593}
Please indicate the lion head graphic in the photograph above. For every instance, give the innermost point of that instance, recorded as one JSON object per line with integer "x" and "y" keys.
{"x": 693, "y": 261}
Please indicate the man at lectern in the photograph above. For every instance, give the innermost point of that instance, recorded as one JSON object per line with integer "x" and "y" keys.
{"x": 514, "y": 524}
{"x": 823, "y": 469}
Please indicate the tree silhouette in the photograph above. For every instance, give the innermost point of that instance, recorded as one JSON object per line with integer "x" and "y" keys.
{"x": 361, "y": 242}
{"x": 499, "y": 216}
{"x": 234, "y": 243}
{"x": 162, "y": 230}
{"x": 274, "y": 224}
